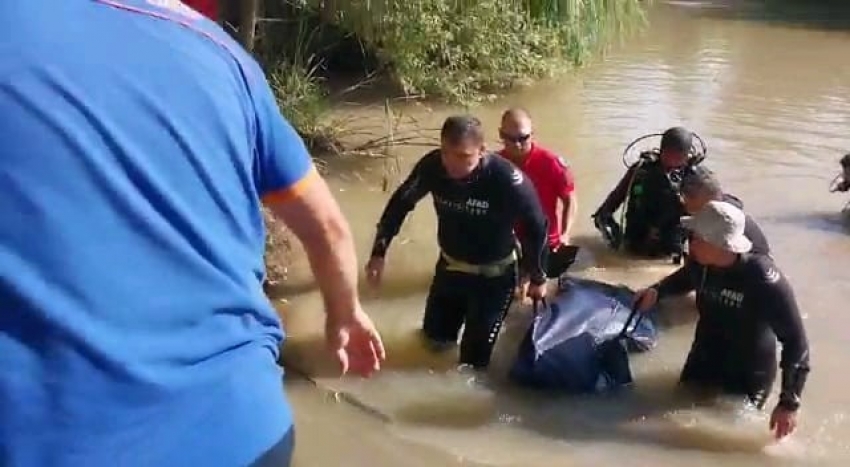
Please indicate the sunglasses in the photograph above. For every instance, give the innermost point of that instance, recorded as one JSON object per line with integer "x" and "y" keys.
{"x": 514, "y": 139}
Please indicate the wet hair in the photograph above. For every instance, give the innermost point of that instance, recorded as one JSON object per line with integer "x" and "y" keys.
{"x": 701, "y": 180}
{"x": 845, "y": 161}
{"x": 677, "y": 139}
{"x": 459, "y": 128}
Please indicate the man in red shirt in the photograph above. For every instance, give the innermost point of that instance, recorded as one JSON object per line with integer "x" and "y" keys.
{"x": 552, "y": 179}
{"x": 208, "y": 8}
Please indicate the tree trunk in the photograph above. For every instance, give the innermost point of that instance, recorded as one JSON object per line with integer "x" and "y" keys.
{"x": 248, "y": 23}
{"x": 327, "y": 13}
{"x": 239, "y": 18}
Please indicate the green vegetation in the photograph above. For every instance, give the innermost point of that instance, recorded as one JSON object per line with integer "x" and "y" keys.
{"x": 459, "y": 51}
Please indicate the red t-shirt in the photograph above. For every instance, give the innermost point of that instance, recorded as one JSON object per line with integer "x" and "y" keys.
{"x": 208, "y": 8}
{"x": 553, "y": 180}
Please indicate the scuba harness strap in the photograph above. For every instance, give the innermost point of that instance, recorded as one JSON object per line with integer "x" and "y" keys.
{"x": 613, "y": 232}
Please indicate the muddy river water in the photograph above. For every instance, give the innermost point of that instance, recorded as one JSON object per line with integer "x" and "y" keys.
{"x": 770, "y": 94}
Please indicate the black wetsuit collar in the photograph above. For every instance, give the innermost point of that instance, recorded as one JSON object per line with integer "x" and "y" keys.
{"x": 473, "y": 176}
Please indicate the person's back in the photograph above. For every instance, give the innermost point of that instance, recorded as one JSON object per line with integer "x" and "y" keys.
{"x": 134, "y": 329}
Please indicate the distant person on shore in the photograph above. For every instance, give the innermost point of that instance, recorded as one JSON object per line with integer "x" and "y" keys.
{"x": 208, "y": 8}
{"x": 842, "y": 182}
{"x": 653, "y": 206}
{"x": 701, "y": 186}
{"x": 553, "y": 181}
{"x": 479, "y": 198}
{"x": 745, "y": 303}
{"x": 138, "y": 142}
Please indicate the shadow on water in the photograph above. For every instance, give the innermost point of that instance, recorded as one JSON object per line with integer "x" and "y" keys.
{"x": 393, "y": 287}
{"x": 422, "y": 389}
{"x": 653, "y": 412}
{"x": 405, "y": 351}
{"x": 825, "y": 221}
{"x": 831, "y": 15}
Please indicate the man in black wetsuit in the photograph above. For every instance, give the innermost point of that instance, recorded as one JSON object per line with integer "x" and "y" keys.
{"x": 654, "y": 208}
{"x": 700, "y": 186}
{"x": 745, "y": 303}
{"x": 479, "y": 198}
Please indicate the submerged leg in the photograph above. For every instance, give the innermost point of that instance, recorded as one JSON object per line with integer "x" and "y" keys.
{"x": 444, "y": 309}
{"x": 754, "y": 385}
{"x": 491, "y": 299}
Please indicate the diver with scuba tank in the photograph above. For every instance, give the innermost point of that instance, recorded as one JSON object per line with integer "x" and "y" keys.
{"x": 650, "y": 192}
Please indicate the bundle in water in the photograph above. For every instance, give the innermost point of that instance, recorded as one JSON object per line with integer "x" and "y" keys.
{"x": 580, "y": 341}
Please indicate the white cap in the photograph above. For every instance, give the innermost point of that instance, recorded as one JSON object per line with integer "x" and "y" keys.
{"x": 721, "y": 224}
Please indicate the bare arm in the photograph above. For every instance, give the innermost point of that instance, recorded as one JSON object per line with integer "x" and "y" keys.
{"x": 569, "y": 207}
{"x": 531, "y": 217}
{"x": 566, "y": 189}
{"x": 287, "y": 181}
{"x": 317, "y": 221}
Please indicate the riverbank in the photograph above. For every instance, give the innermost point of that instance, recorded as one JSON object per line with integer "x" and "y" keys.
{"x": 457, "y": 53}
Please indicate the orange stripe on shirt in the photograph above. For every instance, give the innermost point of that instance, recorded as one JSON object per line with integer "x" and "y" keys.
{"x": 292, "y": 191}
{"x": 189, "y": 16}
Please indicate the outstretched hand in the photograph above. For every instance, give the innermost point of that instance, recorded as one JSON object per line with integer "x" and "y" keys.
{"x": 783, "y": 422}
{"x": 355, "y": 343}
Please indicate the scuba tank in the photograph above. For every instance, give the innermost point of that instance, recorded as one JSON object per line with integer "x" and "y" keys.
{"x": 637, "y": 190}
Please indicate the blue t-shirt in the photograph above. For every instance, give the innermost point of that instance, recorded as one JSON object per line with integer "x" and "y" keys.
{"x": 136, "y": 144}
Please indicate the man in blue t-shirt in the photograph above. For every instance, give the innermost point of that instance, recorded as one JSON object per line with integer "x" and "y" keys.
{"x": 136, "y": 144}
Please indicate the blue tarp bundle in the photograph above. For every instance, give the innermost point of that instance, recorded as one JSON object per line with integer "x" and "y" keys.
{"x": 572, "y": 345}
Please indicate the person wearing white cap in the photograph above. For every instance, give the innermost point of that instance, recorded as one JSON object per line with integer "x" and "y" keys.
{"x": 745, "y": 303}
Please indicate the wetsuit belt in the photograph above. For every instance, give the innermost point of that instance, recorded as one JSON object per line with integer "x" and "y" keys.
{"x": 494, "y": 269}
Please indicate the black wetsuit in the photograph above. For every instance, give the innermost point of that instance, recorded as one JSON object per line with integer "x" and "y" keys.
{"x": 742, "y": 311}
{"x": 476, "y": 218}
{"x": 652, "y": 212}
